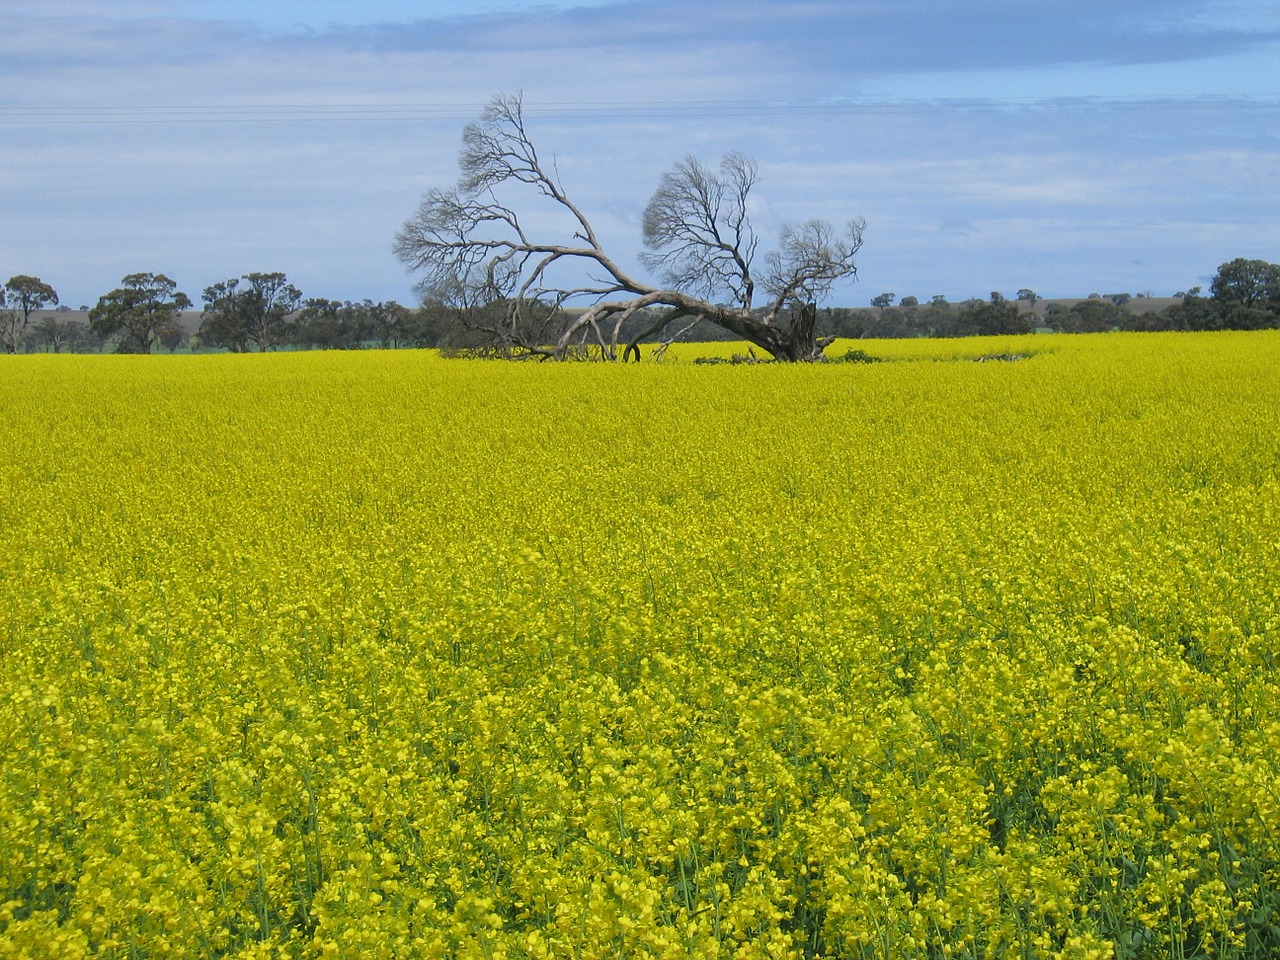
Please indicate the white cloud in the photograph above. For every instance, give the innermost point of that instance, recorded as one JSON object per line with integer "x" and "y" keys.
{"x": 217, "y": 145}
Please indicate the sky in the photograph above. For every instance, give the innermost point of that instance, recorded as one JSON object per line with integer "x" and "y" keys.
{"x": 1073, "y": 147}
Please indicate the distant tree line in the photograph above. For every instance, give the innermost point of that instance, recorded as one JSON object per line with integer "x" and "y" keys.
{"x": 256, "y": 312}
{"x": 19, "y": 298}
{"x": 1244, "y": 295}
{"x": 263, "y": 311}
{"x": 937, "y": 318}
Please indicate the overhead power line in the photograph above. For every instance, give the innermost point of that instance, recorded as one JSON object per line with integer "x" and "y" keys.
{"x": 97, "y": 114}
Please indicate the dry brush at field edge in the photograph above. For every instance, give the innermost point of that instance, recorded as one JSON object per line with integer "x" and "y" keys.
{"x": 382, "y": 655}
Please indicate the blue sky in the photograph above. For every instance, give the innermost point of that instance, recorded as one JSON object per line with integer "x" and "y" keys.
{"x": 1071, "y": 147}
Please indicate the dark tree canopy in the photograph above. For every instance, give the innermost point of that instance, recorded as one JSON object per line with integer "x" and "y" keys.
{"x": 1086, "y": 316}
{"x": 19, "y": 298}
{"x": 474, "y": 252}
{"x": 143, "y": 309}
{"x": 1248, "y": 283}
{"x": 221, "y": 323}
{"x": 260, "y": 313}
{"x": 985, "y": 318}
{"x": 329, "y": 325}
{"x": 343, "y": 325}
{"x": 1245, "y": 295}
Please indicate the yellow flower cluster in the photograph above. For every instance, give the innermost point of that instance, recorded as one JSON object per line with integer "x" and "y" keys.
{"x": 380, "y": 655}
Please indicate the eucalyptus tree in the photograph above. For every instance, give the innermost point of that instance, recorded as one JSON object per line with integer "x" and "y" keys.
{"x": 57, "y": 333}
{"x": 19, "y": 298}
{"x": 1248, "y": 283}
{"x": 472, "y": 248}
{"x": 145, "y": 307}
{"x": 261, "y": 313}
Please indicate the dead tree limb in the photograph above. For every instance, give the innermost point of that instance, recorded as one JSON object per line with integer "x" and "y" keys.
{"x": 470, "y": 247}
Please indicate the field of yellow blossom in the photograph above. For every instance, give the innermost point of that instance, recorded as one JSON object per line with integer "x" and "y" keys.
{"x": 383, "y": 655}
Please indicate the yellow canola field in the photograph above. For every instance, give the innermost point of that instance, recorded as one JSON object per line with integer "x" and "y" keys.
{"x": 383, "y": 655}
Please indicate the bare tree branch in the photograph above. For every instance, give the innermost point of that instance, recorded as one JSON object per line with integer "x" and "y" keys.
{"x": 809, "y": 259}
{"x": 697, "y": 229}
{"x": 471, "y": 249}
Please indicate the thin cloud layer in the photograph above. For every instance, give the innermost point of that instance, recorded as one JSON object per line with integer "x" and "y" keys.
{"x": 819, "y": 45}
{"x": 1061, "y": 146}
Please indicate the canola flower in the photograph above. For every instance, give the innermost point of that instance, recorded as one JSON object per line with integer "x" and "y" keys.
{"x": 380, "y": 655}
